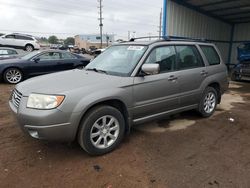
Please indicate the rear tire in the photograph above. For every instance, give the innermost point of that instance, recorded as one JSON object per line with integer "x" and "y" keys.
{"x": 29, "y": 48}
{"x": 13, "y": 76}
{"x": 208, "y": 102}
{"x": 101, "y": 130}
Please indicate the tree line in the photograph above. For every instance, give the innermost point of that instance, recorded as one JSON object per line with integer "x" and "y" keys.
{"x": 54, "y": 40}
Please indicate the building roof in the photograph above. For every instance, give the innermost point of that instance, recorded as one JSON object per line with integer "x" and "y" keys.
{"x": 229, "y": 11}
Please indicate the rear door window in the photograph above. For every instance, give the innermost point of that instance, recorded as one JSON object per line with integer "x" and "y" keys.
{"x": 68, "y": 56}
{"x": 211, "y": 55}
{"x": 20, "y": 37}
{"x": 188, "y": 57}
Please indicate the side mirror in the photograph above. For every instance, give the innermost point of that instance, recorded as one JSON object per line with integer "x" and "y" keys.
{"x": 151, "y": 69}
{"x": 37, "y": 59}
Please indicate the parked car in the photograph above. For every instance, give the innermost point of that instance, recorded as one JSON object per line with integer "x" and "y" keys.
{"x": 36, "y": 63}
{"x": 8, "y": 53}
{"x": 63, "y": 47}
{"x": 75, "y": 50}
{"x": 91, "y": 50}
{"x": 129, "y": 83}
{"x": 97, "y": 52}
{"x": 22, "y": 41}
{"x": 241, "y": 71}
{"x": 55, "y": 46}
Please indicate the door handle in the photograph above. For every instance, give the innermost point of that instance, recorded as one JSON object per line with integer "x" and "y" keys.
{"x": 172, "y": 78}
{"x": 204, "y": 73}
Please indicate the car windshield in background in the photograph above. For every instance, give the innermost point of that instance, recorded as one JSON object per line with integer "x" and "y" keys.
{"x": 118, "y": 60}
{"x": 30, "y": 55}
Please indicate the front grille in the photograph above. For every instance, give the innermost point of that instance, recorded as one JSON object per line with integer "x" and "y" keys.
{"x": 16, "y": 98}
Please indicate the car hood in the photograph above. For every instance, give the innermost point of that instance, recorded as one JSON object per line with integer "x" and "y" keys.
{"x": 67, "y": 81}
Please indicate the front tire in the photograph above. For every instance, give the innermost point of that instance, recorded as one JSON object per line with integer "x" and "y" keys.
{"x": 208, "y": 102}
{"x": 13, "y": 76}
{"x": 101, "y": 130}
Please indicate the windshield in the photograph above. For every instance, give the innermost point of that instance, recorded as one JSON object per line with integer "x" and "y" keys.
{"x": 118, "y": 60}
{"x": 30, "y": 55}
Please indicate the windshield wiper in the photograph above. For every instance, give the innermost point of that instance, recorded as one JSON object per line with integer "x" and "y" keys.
{"x": 97, "y": 70}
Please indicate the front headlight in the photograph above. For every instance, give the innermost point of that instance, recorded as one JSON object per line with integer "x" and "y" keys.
{"x": 40, "y": 101}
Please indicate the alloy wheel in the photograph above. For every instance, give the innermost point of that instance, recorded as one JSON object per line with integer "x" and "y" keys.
{"x": 209, "y": 102}
{"x": 29, "y": 48}
{"x": 13, "y": 76}
{"x": 104, "y": 132}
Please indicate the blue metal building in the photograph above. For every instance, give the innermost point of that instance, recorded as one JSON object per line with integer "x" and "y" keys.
{"x": 224, "y": 22}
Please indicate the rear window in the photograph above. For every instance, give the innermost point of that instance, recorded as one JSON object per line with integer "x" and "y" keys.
{"x": 211, "y": 55}
{"x": 7, "y": 52}
{"x": 3, "y": 52}
{"x": 12, "y": 52}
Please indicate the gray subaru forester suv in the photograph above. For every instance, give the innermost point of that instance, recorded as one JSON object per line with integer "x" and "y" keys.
{"x": 129, "y": 83}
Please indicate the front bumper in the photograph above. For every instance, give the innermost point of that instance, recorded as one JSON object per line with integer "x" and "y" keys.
{"x": 52, "y": 125}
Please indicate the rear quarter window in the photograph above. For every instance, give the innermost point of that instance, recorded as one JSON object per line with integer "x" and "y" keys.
{"x": 211, "y": 55}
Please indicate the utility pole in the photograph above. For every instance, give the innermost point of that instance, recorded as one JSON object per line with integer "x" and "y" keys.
{"x": 160, "y": 26}
{"x": 100, "y": 19}
{"x": 107, "y": 39}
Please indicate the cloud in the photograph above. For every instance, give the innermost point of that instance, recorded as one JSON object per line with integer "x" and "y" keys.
{"x": 71, "y": 17}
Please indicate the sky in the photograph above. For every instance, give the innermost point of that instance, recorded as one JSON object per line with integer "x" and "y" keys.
{"x": 65, "y": 18}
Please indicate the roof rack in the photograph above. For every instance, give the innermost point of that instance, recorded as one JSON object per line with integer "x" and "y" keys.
{"x": 149, "y": 37}
{"x": 170, "y": 38}
{"x": 186, "y": 38}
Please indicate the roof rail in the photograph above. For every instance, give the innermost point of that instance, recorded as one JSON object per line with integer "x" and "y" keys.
{"x": 22, "y": 34}
{"x": 170, "y": 38}
{"x": 186, "y": 38}
{"x": 149, "y": 37}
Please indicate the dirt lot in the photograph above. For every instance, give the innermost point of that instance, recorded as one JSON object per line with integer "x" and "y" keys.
{"x": 183, "y": 151}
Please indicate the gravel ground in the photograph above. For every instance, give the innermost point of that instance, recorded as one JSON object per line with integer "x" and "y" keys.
{"x": 181, "y": 151}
